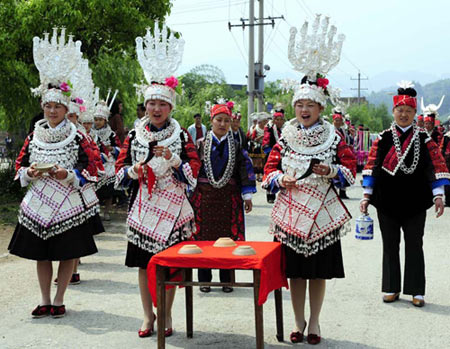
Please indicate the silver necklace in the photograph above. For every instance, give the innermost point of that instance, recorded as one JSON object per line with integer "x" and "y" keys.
{"x": 230, "y": 163}
{"x": 398, "y": 149}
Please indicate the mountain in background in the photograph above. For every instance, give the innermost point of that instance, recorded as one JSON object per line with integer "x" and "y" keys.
{"x": 431, "y": 92}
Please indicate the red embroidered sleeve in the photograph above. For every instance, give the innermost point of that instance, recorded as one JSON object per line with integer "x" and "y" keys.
{"x": 437, "y": 160}
{"x": 117, "y": 140}
{"x": 346, "y": 157}
{"x": 371, "y": 162}
{"x": 271, "y": 169}
{"x": 123, "y": 158}
{"x": 266, "y": 139}
{"x": 193, "y": 159}
{"x": 23, "y": 158}
{"x": 90, "y": 172}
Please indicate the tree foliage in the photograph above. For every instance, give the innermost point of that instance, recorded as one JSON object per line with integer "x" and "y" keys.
{"x": 107, "y": 29}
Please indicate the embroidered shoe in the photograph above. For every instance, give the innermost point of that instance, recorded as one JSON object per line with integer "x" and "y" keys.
{"x": 75, "y": 279}
{"x": 41, "y": 311}
{"x": 58, "y": 311}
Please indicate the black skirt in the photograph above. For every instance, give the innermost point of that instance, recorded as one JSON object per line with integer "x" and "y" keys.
{"x": 97, "y": 225}
{"x": 325, "y": 264}
{"x": 73, "y": 243}
{"x": 105, "y": 192}
{"x": 137, "y": 257}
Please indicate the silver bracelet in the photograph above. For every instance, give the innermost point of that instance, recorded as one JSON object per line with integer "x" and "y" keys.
{"x": 439, "y": 197}
{"x": 363, "y": 199}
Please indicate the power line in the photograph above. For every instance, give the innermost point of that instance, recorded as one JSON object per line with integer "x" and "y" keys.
{"x": 239, "y": 48}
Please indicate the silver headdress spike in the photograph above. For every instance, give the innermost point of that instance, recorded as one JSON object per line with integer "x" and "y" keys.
{"x": 112, "y": 99}
{"x": 159, "y": 55}
{"x": 317, "y": 52}
{"x": 107, "y": 97}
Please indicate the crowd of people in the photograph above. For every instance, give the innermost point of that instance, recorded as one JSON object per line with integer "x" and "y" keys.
{"x": 177, "y": 179}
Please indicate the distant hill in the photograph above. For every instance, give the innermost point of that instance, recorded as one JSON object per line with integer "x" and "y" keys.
{"x": 431, "y": 93}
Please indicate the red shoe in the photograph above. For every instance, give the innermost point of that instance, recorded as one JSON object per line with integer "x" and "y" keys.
{"x": 149, "y": 331}
{"x": 57, "y": 311}
{"x": 297, "y": 337}
{"x": 168, "y": 332}
{"x": 41, "y": 311}
{"x": 313, "y": 338}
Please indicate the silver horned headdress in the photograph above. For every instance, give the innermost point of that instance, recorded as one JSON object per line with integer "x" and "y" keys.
{"x": 102, "y": 108}
{"x": 159, "y": 55}
{"x": 431, "y": 109}
{"x": 314, "y": 55}
{"x": 55, "y": 59}
{"x": 83, "y": 88}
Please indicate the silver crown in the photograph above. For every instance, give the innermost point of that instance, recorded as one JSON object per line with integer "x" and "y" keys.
{"x": 102, "y": 109}
{"x": 55, "y": 59}
{"x": 317, "y": 52}
{"x": 159, "y": 55}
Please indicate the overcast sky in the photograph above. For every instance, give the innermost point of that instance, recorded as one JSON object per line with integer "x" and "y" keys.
{"x": 382, "y": 37}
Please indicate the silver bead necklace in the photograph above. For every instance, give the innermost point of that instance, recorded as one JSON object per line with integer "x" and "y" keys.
{"x": 230, "y": 163}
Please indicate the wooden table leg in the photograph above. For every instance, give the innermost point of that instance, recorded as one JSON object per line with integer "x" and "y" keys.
{"x": 279, "y": 314}
{"x": 259, "y": 325}
{"x": 189, "y": 307}
{"x": 161, "y": 311}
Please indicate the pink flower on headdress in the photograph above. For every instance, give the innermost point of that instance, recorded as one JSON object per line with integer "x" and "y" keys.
{"x": 82, "y": 108}
{"x": 230, "y": 104}
{"x": 79, "y": 100}
{"x": 172, "y": 82}
{"x": 64, "y": 87}
{"x": 322, "y": 82}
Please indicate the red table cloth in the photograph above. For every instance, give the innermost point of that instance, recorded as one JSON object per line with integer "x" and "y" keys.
{"x": 268, "y": 259}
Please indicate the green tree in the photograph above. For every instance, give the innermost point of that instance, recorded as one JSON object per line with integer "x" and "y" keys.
{"x": 107, "y": 29}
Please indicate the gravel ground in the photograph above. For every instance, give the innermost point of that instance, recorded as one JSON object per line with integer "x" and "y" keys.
{"x": 104, "y": 311}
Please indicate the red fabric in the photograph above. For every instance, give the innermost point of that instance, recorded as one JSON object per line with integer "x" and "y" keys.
{"x": 236, "y": 116}
{"x": 420, "y": 118}
{"x": 346, "y": 156}
{"x": 268, "y": 258}
{"x": 278, "y": 115}
{"x": 405, "y": 100}
{"x": 266, "y": 138}
{"x": 391, "y": 160}
{"x": 198, "y": 132}
{"x": 191, "y": 152}
{"x": 220, "y": 108}
{"x": 272, "y": 161}
{"x": 436, "y": 158}
{"x": 120, "y": 162}
{"x": 337, "y": 116}
{"x": 429, "y": 119}
{"x": 23, "y": 153}
{"x": 372, "y": 156}
{"x": 97, "y": 155}
{"x": 87, "y": 148}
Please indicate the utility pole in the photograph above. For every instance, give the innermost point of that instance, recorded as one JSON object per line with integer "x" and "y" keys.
{"x": 251, "y": 62}
{"x": 359, "y": 86}
{"x": 260, "y": 63}
{"x": 255, "y": 70}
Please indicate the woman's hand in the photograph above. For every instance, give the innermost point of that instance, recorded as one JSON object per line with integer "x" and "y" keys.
{"x": 138, "y": 166}
{"x": 321, "y": 169}
{"x": 58, "y": 173}
{"x": 32, "y": 173}
{"x": 248, "y": 206}
{"x": 109, "y": 147}
{"x": 160, "y": 150}
{"x": 288, "y": 182}
{"x": 439, "y": 206}
{"x": 364, "y": 204}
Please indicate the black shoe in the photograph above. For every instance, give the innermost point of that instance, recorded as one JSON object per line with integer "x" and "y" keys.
{"x": 205, "y": 289}
{"x": 343, "y": 194}
{"x": 227, "y": 289}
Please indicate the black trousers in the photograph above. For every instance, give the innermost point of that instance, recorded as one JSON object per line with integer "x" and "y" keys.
{"x": 413, "y": 230}
{"x": 205, "y": 275}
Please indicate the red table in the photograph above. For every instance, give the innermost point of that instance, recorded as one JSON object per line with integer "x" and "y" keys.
{"x": 268, "y": 275}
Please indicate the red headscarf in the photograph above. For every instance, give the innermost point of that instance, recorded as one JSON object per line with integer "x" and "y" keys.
{"x": 278, "y": 114}
{"x": 405, "y": 100}
{"x": 220, "y": 109}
